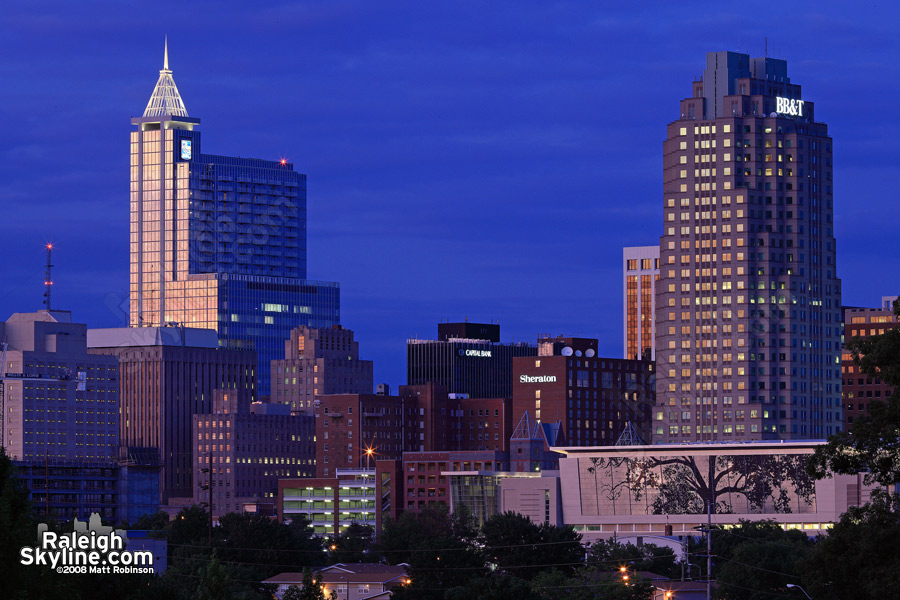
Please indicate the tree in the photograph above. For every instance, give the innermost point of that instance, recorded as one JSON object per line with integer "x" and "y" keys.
{"x": 872, "y": 445}
{"x": 155, "y": 522}
{"x": 439, "y": 548}
{"x": 609, "y": 555}
{"x": 691, "y": 484}
{"x": 757, "y": 559}
{"x": 215, "y": 584}
{"x": 495, "y": 587}
{"x": 858, "y": 558}
{"x": 190, "y": 526}
{"x": 522, "y": 548}
{"x": 589, "y": 583}
{"x": 354, "y": 545}
{"x": 399, "y": 538}
{"x": 309, "y": 590}
{"x": 16, "y": 525}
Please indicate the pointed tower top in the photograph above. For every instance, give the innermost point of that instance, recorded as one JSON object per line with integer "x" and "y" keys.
{"x": 165, "y": 100}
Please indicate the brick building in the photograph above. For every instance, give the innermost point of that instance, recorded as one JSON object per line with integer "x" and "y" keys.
{"x": 859, "y": 389}
{"x": 247, "y": 447}
{"x": 355, "y": 430}
{"x": 318, "y": 362}
{"x": 592, "y": 397}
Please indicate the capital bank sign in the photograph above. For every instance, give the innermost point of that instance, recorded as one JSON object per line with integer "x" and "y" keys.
{"x": 789, "y": 106}
{"x": 537, "y": 379}
{"x": 479, "y": 353}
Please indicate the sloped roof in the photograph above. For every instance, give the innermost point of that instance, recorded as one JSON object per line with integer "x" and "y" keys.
{"x": 165, "y": 100}
{"x": 347, "y": 573}
{"x": 527, "y": 429}
{"x": 629, "y": 436}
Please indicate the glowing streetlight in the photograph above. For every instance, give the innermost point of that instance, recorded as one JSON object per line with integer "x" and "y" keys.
{"x": 791, "y": 585}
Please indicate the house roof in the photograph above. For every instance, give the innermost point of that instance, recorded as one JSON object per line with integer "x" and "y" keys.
{"x": 378, "y": 573}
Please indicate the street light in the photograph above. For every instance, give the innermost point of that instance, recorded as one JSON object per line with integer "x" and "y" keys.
{"x": 791, "y": 585}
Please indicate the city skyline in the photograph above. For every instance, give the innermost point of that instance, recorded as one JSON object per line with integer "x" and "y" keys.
{"x": 491, "y": 166}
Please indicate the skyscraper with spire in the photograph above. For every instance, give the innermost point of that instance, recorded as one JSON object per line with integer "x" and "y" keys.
{"x": 218, "y": 242}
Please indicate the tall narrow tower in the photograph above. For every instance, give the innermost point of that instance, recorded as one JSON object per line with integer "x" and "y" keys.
{"x": 218, "y": 242}
{"x": 748, "y": 300}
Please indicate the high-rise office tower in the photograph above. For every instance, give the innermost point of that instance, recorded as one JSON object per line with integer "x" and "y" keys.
{"x": 748, "y": 303}
{"x": 218, "y": 242}
{"x": 467, "y": 358}
{"x": 167, "y": 374}
{"x": 640, "y": 266}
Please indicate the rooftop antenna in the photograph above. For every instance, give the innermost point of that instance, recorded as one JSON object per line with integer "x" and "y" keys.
{"x": 166, "y": 54}
{"x": 48, "y": 282}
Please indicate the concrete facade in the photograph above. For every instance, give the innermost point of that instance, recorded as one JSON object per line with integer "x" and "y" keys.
{"x": 635, "y": 490}
{"x": 748, "y": 300}
{"x": 58, "y": 402}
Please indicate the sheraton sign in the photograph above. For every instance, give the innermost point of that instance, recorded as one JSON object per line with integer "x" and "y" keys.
{"x": 537, "y": 379}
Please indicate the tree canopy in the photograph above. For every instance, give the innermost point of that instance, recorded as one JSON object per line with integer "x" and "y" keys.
{"x": 872, "y": 444}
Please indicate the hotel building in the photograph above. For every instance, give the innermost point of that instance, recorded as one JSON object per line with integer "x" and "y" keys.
{"x": 748, "y": 303}
{"x": 218, "y": 242}
{"x": 594, "y": 398}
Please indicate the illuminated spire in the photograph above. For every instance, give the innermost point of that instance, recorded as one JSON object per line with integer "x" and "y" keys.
{"x": 165, "y": 100}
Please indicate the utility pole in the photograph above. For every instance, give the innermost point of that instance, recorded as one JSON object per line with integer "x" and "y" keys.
{"x": 47, "y": 484}
{"x": 209, "y": 486}
{"x": 210, "y": 498}
{"x": 709, "y": 502}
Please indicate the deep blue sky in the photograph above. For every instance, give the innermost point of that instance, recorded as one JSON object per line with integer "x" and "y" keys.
{"x": 480, "y": 159}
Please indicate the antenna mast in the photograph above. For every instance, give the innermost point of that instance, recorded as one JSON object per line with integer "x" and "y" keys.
{"x": 48, "y": 282}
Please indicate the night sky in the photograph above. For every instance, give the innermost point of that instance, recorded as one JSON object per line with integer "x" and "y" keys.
{"x": 465, "y": 159}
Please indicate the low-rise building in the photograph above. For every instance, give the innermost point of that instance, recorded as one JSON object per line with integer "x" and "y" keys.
{"x": 349, "y": 581}
{"x": 331, "y": 504}
{"x": 665, "y": 489}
